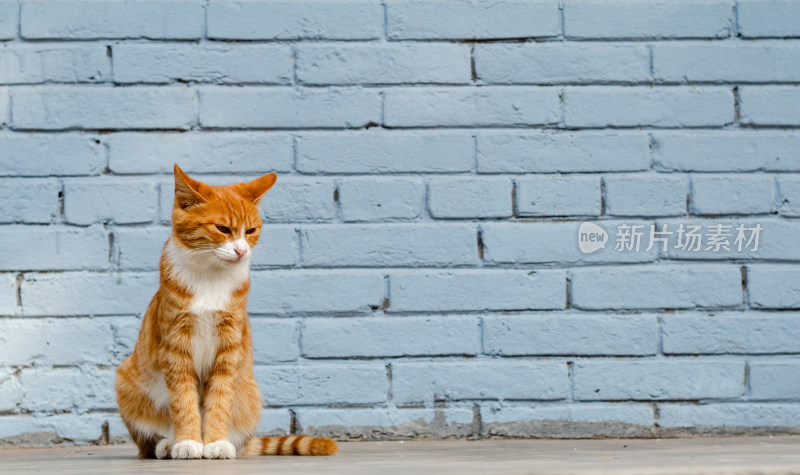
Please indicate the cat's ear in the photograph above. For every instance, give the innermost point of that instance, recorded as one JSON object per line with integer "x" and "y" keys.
{"x": 256, "y": 189}
{"x": 186, "y": 190}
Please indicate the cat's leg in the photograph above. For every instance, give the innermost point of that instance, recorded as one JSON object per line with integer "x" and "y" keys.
{"x": 245, "y": 412}
{"x": 149, "y": 427}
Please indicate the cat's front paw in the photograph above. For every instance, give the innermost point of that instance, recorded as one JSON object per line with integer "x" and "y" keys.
{"x": 221, "y": 449}
{"x": 187, "y": 449}
{"x": 163, "y": 448}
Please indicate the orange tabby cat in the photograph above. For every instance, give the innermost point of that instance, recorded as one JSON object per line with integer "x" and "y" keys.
{"x": 187, "y": 390}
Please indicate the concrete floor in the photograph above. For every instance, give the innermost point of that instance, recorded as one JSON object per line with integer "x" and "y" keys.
{"x": 731, "y": 455}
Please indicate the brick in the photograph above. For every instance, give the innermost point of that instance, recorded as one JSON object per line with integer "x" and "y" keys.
{"x": 281, "y": 292}
{"x": 731, "y": 333}
{"x": 8, "y": 295}
{"x": 11, "y": 392}
{"x": 769, "y": 105}
{"x": 29, "y": 200}
{"x": 380, "y": 152}
{"x": 9, "y": 13}
{"x": 380, "y": 199}
{"x": 53, "y": 248}
{"x": 401, "y": 422}
{"x": 732, "y": 194}
{"x": 82, "y": 427}
{"x": 383, "y": 63}
{"x": 4, "y": 107}
{"x": 277, "y": 247}
{"x": 50, "y": 155}
{"x": 645, "y": 195}
{"x": 477, "y": 290}
{"x": 640, "y": 414}
{"x": 726, "y": 151}
{"x": 553, "y": 63}
{"x": 486, "y": 106}
{"x": 774, "y": 379}
{"x": 656, "y": 287}
{"x": 658, "y": 19}
{"x": 768, "y": 18}
{"x": 27, "y": 64}
{"x": 390, "y": 245}
{"x": 394, "y": 336}
{"x": 294, "y": 20}
{"x": 472, "y": 19}
{"x": 672, "y": 106}
{"x": 224, "y": 64}
{"x": 557, "y": 242}
{"x": 207, "y": 152}
{"x": 556, "y": 195}
{"x": 68, "y": 389}
{"x": 288, "y": 108}
{"x": 545, "y": 152}
{"x": 86, "y": 19}
{"x": 470, "y": 197}
{"x": 139, "y": 248}
{"x": 90, "y": 201}
{"x": 274, "y": 422}
{"x": 728, "y": 415}
{"x": 567, "y": 334}
{"x": 69, "y": 107}
{"x": 274, "y": 340}
{"x": 299, "y": 200}
{"x": 773, "y": 286}
{"x": 87, "y": 293}
{"x": 328, "y": 383}
{"x": 789, "y": 196}
{"x": 653, "y": 380}
{"x": 725, "y": 62}
{"x": 424, "y": 382}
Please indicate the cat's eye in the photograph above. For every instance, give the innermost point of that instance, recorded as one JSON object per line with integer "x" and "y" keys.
{"x": 250, "y": 231}
{"x": 224, "y": 229}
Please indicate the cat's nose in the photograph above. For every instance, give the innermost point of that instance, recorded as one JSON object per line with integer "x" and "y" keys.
{"x": 240, "y": 252}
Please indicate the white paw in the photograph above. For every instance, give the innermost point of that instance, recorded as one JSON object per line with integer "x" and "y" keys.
{"x": 187, "y": 449}
{"x": 162, "y": 448}
{"x": 221, "y": 449}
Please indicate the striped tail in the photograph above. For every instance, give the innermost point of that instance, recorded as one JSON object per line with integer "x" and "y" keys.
{"x": 290, "y": 445}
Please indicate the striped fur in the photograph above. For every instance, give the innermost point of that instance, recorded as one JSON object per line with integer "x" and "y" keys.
{"x": 290, "y": 445}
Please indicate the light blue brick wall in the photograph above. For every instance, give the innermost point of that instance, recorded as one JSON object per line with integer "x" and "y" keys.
{"x": 419, "y": 270}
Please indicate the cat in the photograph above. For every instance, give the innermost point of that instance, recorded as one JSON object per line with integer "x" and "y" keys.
{"x": 187, "y": 390}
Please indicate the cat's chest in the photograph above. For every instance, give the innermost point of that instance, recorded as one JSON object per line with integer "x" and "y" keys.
{"x": 209, "y": 299}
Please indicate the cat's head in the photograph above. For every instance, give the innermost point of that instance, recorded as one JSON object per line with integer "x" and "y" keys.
{"x": 220, "y": 223}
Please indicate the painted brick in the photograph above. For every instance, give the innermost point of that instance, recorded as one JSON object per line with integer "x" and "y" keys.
{"x": 645, "y": 195}
{"x": 139, "y": 247}
{"x": 656, "y": 287}
{"x": 775, "y": 379}
{"x": 472, "y": 19}
{"x": 68, "y": 389}
{"x": 26, "y": 64}
{"x": 87, "y": 293}
{"x": 594, "y": 106}
{"x": 625, "y": 379}
{"x": 732, "y": 194}
{"x": 86, "y": 19}
{"x": 274, "y": 422}
{"x": 4, "y": 107}
{"x": 9, "y": 12}
{"x": 769, "y": 105}
{"x": 725, "y": 151}
{"x": 640, "y": 414}
{"x": 566, "y": 334}
{"x": 8, "y": 295}
{"x": 382, "y": 63}
{"x": 395, "y": 336}
{"x": 658, "y": 19}
{"x": 281, "y": 292}
{"x": 53, "y": 248}
{"x": 33, "y": 154}
{"x": 549, "y": 63}
{"x": 486, "y": 106}
{"x": 209, "y": 152}
{"x": 391, "y": 245}
{"x": 73, "y": 426}
{"x": 477, "y": 290}
{"x": 789, "y": 196}
{"x": 87, "y": 202}
{"x": 298, "y": 200}
{"x": 554, "y": 195}
{"x": 728, "y": 415}
{"x": 274, "y": 340}
{"x": 544, "y": 152}
{"x": 773, "y": 286}
{"x": 731, "y": 333}
{"x": 227, "y": 64}
{"x": 314, "y": 420}
{"x": 277, "y": 247}
{"x": 424, "y": 382}
{"x": 380, "y": 199}
{"x": 29, "y": 200}
{"x": 379, "y": 152}
{"x": 56, "y": 108}
{"x": 735, "y": 62}
{"x": 288, "y": 108}
{"x": 470, "y": 197}
{"x": 768, "y": 18}
{"x": 329, "y": 383}
{"x": 292, "y": 20}
{"x": 11, "y": 392}
{"x": 555, "y": 242}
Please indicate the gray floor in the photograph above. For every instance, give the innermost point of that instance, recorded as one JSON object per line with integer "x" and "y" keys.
{"x": 732, "y": 455}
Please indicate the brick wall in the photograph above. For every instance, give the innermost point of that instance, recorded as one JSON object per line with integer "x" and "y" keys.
{"x": 419, "y": 273}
